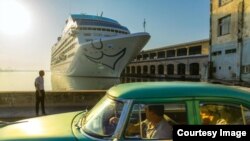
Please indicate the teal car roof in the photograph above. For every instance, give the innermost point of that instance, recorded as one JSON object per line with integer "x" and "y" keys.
{"x": 146, "y": 90}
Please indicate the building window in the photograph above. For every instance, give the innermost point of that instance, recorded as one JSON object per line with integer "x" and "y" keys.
{"x": 87, "y": 34}
{"x": 230, "y": 51}
{"x": 246, "y": 69}
{"x": 88, "y": 40}
{"x": 161, "y": 54}
{"x": 139, "y": 57}
{"x": 145, "y": 56}
{"x": 224, "y": 25}
{"x": 171, "y": 53}
{"x": 152, "y": 55}
{"x": 182, "y": 52}
{"x": 224, "y": 2}
{"x": 215, "y": 53}
{"x": 195, "y": 50}
{"x": 243, "y": 69}
{"x": 214, "y": 69}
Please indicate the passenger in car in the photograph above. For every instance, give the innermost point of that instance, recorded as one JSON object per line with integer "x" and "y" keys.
{"x": 206, "y": 117}
{"x": 212, "y": 118}
{"x": 155, "y": 126}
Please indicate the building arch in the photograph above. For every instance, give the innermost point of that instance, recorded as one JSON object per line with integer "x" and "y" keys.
{"x": 181, "y": 69}
{"x": 145, "y": 69}
{"x": 170, "y": 69}
{"x": 133, "y": 69}
{"x": 152, "y": 69}
{"x": 160, "y": 69}
{"x": 128, "y": 70}
{"x": 194, "y": 69}
{"x": 138, "y": 69}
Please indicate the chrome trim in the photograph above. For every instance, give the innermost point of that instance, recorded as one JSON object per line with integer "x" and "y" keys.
{"x": 122, "y": 121}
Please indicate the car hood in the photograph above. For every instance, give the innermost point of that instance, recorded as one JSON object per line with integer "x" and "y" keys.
{"x": 52, "y": 127}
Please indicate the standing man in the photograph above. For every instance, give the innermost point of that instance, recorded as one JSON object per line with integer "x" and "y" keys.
{"x": 40, "y": 93}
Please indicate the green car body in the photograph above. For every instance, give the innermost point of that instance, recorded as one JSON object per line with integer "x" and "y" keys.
{"x": 88, "y": 125}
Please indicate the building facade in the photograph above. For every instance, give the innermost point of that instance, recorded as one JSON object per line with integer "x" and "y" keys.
{"x": 230, "y": 40}
{"x": 181, "y": 61}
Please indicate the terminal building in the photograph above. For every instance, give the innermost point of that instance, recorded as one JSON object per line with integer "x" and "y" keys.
{"x": 185, "y": 61}
{"x": 230, "y": 40}
{"x": 222, "y": 57}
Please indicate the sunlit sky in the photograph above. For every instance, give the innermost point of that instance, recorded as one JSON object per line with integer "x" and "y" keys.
{"x": 29, "y": 28}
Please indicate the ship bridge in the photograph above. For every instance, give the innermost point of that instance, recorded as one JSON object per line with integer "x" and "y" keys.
{"x": 90, "y": 20}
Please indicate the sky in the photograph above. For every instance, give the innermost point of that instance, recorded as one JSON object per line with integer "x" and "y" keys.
{"x": 29, "y": 28}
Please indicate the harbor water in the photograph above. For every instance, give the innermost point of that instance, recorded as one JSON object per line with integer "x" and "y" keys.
{"x": 24, "y": 81}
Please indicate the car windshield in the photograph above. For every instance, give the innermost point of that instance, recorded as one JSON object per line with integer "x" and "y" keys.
{"x": 102, "y": 120}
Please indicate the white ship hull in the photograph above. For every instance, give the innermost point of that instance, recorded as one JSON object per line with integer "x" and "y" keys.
{"x": 106, "y": 57}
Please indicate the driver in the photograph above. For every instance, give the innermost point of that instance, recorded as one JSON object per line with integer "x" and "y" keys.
{"x": 155, "y": 125}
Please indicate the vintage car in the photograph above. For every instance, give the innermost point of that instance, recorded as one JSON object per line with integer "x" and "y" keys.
{"x": 125, "y": 105}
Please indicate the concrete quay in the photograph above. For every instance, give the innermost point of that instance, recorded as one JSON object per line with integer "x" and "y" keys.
{"x": 19, "y": 105}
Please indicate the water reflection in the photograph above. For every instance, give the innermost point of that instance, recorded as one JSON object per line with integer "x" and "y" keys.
{"x": 62, "y": 82}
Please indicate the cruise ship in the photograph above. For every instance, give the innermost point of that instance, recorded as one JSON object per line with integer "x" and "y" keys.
{"x": 95, "y": 46}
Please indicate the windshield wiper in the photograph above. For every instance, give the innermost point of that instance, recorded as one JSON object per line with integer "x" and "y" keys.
{"x": 83, "y": 118}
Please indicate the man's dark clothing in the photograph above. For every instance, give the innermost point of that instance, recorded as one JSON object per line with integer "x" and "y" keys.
{"x": 40, "y": 99}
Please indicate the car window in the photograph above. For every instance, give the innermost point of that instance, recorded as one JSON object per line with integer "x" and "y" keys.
{"x": 224, "y": 114}
{"x": 140, "y": 124}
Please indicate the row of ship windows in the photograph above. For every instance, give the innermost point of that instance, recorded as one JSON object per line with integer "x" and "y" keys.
{"x": 69, "y": 48}
{"x": 229, "y": 51}
{"x": 98, "y": 37}
{"x": 62, "y": 58}
{"x": 171, "y": 53}
{"x": 62, "y": 46}
{"x": 103, "y": 29}
{"x": 99, "y": 23}
{"x": 98, "y": 34}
